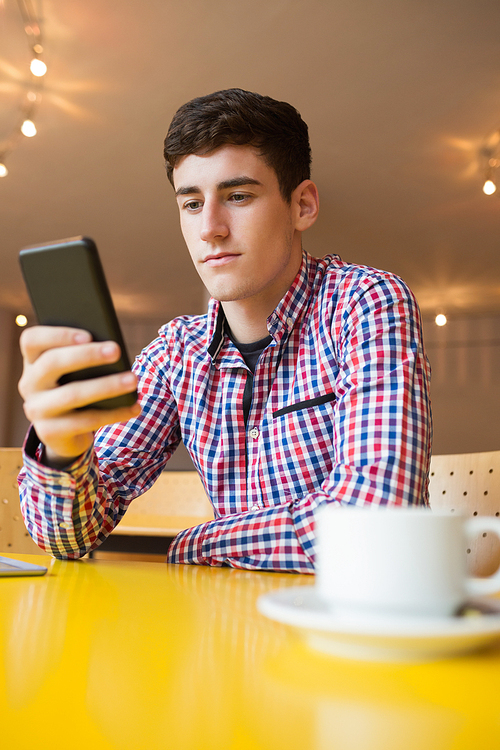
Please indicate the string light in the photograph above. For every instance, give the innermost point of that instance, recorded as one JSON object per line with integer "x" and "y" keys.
{"x": 490, "y": 155}
{"x": 489, "y": 187}
{"x": 21, "y": 321}
{"x": 31, "y": 99}
{"x": 38, "y": 67}
{"x": 441, "y": 320}
{"x": 28, "y": 128}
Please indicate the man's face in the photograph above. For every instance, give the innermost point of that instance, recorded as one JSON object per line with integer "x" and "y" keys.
{"x": 240, "y": 232}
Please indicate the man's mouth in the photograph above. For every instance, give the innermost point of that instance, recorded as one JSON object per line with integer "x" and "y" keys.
{"x": 220, "y": 259}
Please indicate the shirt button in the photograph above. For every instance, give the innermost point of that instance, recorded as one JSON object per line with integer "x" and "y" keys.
{"x": 254, "y": 433}
{"x": 255, "y": 507}
{"x": 64, "y": 525}
{"x": 289, "y": 322}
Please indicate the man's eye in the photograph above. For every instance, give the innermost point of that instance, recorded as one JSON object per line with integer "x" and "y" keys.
{"x": 238, "y": 197}
{"x": 192, "y": 205}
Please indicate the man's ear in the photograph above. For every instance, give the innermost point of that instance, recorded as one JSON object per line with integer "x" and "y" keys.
{"x": 305, "y": 200}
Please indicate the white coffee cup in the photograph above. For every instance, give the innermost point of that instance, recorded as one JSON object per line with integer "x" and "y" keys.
{"x": 405, "y": 561}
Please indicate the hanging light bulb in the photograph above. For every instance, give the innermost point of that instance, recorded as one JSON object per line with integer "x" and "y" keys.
{"x": 489, "y": 187}
{"x": 28, "y": 129}
{"x": 21, "y": 321}
{"x": 34, "y": 78}
{"x": 441, "y": 320}
{"x": 38, "y": 67}
{"x": 490, "y": 156}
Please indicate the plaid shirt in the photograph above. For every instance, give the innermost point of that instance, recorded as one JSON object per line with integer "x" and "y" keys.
{"x": 339, "y": 413}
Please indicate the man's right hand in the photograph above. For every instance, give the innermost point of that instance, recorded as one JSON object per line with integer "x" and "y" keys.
{"x": 50, "y": 352}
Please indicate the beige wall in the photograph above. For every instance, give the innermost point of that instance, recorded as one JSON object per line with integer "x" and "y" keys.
{"x": 465, "y": 389}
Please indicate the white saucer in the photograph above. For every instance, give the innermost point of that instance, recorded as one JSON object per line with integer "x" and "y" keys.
{"x": 378, "y": 637}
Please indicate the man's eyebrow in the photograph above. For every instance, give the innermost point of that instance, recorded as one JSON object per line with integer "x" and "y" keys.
{"x": 237, "y": 182}
{"x": 190, "y": 190}
{"x": 224, "y": 185}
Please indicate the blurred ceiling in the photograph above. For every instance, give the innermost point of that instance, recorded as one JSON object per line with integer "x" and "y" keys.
{"x": 399, "y": 96}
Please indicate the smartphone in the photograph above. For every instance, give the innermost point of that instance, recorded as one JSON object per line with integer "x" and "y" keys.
{"x": 67, "y": 287}
{"x": 11, "y": 567}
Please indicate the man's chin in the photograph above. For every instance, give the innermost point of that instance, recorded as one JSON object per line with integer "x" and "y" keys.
{"x": 225, "y": 298}
{"x": 230, "y": 295}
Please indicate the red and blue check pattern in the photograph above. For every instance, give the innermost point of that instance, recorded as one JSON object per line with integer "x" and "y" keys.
{"x": 339, "y": 413}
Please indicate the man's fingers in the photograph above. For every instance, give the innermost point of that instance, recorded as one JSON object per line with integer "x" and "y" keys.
{"x": 38, "y": 339}
{"x": 61, "y": 361}
{"x": 50, "y": 365}
{"x": 50, "y": 352}
{"x": 55, "y": 402}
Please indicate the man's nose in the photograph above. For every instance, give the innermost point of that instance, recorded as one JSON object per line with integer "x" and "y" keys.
{"x": 214, "y": 224}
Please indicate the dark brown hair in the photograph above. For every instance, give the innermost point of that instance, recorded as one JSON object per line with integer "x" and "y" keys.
{"x": 243, "y": 118}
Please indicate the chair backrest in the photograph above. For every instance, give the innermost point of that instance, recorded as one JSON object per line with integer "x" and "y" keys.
{"x": 175, "y": 493}
{"x": 175, "y": 502}
{"x": 469, "y": 483}
{"x": 13, "y": 534}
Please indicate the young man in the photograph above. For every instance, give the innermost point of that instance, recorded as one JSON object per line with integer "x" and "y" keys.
{"x": 306, "y": 382}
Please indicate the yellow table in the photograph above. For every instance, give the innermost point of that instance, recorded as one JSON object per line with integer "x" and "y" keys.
{"x": 140, "y": 656}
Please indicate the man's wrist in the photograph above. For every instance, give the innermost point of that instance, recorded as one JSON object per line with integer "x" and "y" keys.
{"x": 54, "y": 461}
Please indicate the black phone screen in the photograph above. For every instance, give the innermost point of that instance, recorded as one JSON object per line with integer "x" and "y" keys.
{"x": 67, "y": 287}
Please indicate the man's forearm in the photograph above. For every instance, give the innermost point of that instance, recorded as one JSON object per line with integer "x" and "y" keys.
{"x": 276, "y": 538}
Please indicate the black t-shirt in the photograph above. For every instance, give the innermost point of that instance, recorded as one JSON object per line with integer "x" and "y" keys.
{"x": 250, "y": 353}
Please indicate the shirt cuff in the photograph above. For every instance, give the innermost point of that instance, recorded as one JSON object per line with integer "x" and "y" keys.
{"x": 48, "y": 478}
{"x": 187, "y": 547}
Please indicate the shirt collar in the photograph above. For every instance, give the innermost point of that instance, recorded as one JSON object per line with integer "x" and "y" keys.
{"x": 281, "y": 321}
{"x": 215, "y": 327}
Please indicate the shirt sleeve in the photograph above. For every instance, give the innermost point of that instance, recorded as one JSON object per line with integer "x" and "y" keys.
{"x": 70, "y": 512}
{"x": 381, "y": 443}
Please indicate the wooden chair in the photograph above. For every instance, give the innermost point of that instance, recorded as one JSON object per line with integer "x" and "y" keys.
{"x": 469, "y": 483}
{"x": 13, "y": 534}
{"x": 175, "y": 502}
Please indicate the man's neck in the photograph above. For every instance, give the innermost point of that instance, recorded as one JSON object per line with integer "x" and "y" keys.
{"x": 247, "y": 318}
{"x": 247, "y": 324}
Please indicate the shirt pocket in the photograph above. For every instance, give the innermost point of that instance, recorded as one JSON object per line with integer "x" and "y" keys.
{"x": 307, "y": 404}
{"x": 302, "y": 439}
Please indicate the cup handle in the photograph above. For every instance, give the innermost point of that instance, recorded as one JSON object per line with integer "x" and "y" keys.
{"x": 491, "y": 584}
